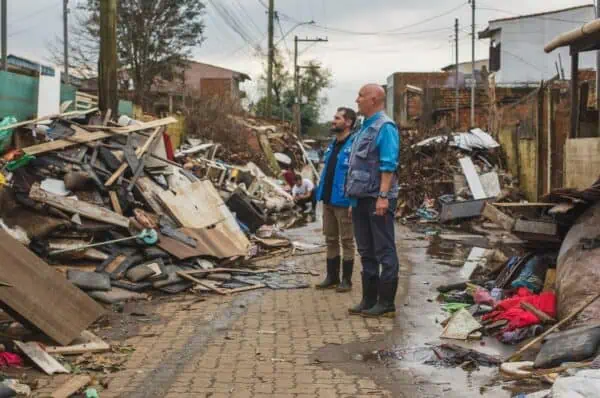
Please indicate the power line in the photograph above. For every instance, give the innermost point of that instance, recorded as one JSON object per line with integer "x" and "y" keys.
{"x": 283, "y": 36}
{"x": 247, "y": 15}
{"x": 28, "y": 16}
{"x": 391, "y": 31}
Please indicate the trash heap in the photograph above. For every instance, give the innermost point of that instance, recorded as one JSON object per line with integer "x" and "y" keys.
{"x": 449, "y": 177}
{"x": 543, "y": 297}
{"x": 122, "y": 218}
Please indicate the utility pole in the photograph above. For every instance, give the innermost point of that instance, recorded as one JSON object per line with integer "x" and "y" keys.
{"x": 4, "y": 34}
{"x": 66, "y": 39}
{"x": 456, "y": 88}
{"x": 271, "y": 59}
{"x": 297, "y": 118}
{"x": 107, "y": 67}
{"x": 598, "y": 71}
{"x": 474, "y": 82}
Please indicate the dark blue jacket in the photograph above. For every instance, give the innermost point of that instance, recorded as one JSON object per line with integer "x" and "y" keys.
{"x": 338, "y": 197}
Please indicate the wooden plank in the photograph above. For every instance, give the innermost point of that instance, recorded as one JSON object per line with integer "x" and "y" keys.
{"x": 472, "y": 178}
{"x": 150, "y": 190}
{"x": 542, "y": 336}
{"x": 41, "y": 296}
{"x": 50, "y": 117}
{"x": 114, "y": 200}
{"x": 88, "y": 342}
{"x": 541, "y": 315}
{"x": 73, "y": 385}
{"x": 144, "y": 126}
{"x": 247, "y": 288}
{"x": 138, "y": 153}
{"x": 536, "y": 227}
{"x": 41, "y": 358}
{"x": 80, "y": 207}
{"x": 198, "y": 205}
{"x": 178, "y": 249}
{"x": 190, "y": 278}
{"x": 492, "y": 213}
{"x": 114, "y": 265}
{"x": 581, "y": 162}
{"x": 525, "y": 204}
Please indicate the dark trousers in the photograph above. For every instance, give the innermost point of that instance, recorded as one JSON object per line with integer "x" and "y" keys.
{"x": 375, "y": 238}
{"x": 303, "y": 203}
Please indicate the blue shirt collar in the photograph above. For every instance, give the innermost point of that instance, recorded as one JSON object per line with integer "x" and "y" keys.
{"x": 371, "y": 119}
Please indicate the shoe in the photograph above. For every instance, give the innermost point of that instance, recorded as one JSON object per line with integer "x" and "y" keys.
{"x": 369, "y": 295}
{"x": 333, "y": 274}
{"x": 385, "y": 306}
{"x": 346, "y": 284}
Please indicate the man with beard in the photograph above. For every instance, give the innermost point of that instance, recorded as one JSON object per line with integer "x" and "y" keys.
{"x": 372, "y": 186}
{"x": 337, "y": 223}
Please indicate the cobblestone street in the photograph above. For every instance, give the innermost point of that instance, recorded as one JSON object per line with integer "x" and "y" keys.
{"x": 290, "y": 343}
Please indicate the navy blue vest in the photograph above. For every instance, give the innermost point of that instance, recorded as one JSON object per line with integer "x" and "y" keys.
{"x": 364, "y": 176}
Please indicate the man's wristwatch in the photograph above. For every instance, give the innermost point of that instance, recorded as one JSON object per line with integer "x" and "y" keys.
{"x": 383, "y": 195}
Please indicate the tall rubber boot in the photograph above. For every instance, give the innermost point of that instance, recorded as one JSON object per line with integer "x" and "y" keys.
{"x": 369, "y": 295}
{"x": 385, "y": 306}
{"x": 332, "y": 279}
{"x": 347, "y": 268}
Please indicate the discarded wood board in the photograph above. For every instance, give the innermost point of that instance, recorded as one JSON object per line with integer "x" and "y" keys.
{"x": 493, "y": 214}
{"x": 491, "y": 184}
{"x": 197, "y": 281}
{"x": 88, "y": 342}
{"x": 49, "y": 117}
{"x": 472, "y": 178}
{"x": 550, "y": 282}
{"x": 461, "y": 326}
{"x": 536, "y": 227}
{"x": 197, "y": 206}
{"x": 73, "y": 385}
{"x": 477, "y": 256}
{"x": 41, "y": 296}
{"x": 41, "y": 358}
{"x": 80, "y": 207}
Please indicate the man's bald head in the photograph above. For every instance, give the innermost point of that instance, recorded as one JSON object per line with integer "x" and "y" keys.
{"x": 371, "y": 99}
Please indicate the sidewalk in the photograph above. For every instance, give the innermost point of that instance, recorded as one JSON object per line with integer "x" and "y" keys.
{"x": 256, "y": 344}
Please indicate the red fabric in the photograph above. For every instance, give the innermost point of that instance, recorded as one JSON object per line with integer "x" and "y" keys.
{"x": 517, "y": 317}
{"x": 168, "y": 147}
{"x": 9, "y": 360}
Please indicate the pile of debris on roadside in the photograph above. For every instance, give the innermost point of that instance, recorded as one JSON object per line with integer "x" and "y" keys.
{"x": 450, "y": 177}
{"x": 121, "y": 216}
{"x": 544, "y": 297}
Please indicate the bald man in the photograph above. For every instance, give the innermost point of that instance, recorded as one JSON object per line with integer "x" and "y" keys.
{"x": 372, "y": 187}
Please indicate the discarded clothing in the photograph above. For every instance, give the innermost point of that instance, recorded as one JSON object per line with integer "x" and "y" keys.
{"x": 533, "y": 274}
{"x": 518, "y": 335}
{"x": 454, "y": 307}
{"x": 482, "y": 296}
{"x": 517, "y": 317}
{"x": 10, "y": 360}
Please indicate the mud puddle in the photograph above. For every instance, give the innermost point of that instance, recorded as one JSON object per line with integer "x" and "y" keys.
{"x": 397, "y": 360}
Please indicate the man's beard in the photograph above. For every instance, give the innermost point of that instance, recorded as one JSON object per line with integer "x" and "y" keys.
{"x": 337, "y": 130}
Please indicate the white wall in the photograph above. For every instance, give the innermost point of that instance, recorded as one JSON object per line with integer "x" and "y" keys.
{"x": 523, "y": 59}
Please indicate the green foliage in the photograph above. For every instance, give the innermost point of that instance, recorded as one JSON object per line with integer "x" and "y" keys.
{"x": 312, "y": 82}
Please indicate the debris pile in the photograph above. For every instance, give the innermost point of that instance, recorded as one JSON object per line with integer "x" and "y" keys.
{"x": 122, "y": 217}
{"x": 450, "y": 177}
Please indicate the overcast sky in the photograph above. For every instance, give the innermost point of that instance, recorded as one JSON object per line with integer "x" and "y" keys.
{"x": 420, "y": 40}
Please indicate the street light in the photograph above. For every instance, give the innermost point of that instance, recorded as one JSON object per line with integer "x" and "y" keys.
{"x": 311, "y": 22}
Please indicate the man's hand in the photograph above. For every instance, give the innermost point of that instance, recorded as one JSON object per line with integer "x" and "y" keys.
{"x": 382, "y": 206}
{"x": 350, "y": 211}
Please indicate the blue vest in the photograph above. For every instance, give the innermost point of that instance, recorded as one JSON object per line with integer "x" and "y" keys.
{"x": 338, "y": 197}
{"x": 364, "y": 176}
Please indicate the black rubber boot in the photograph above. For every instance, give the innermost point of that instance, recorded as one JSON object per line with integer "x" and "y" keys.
{"x": 333, "y": 274}
{"x": 347, "y": 268}
{"x": 385, "y": 306}
{"x": 369, "y": 295}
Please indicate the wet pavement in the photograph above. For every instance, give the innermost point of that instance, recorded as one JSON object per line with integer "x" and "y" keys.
{"x": 302, "y": 342}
